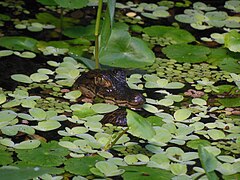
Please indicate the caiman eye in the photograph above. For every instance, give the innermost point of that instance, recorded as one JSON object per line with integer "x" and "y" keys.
{"x": 100, "y": 81}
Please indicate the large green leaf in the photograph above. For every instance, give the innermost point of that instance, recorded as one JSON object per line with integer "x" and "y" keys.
{"x": 176, "y": 35}
{"x": 80, "y": 31}
{"x": 107, "y": 24}
{"x": 232, "y": 41}
{"x": 82, "y": 166}
{"x": 145, "y": 173}
{"x": 126, "y": 51}
{"x": 22, "y": 173}
{"x": 72, "y": 4}
{"x": 139, "y": 126}
{"x": 19, "y": 43}
{"x": 208, "y": 161}
{"x": 186, "y": 53}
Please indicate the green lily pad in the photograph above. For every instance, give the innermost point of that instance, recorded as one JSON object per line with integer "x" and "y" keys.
{"x": 144, "y": 173}
{"x": 103, "y": 108}
{"x": 178, "y": 169}
{"x": 182, "y": 114}
{"x": 23, "y": 173}
{"x": 138, "y": 126}
{"x": 232, "y": 41}
{"x": 108, "y": 169}
{"x": 7, "y": 115}
{"x": 21, "y": 78}
{"x": 82, "y": 166}
{"x": 47, "y": 155}
{"x": 72, "y": 4}
{"x": 73, "y": 95}
{"x": 37, "y": 113}
{"x": 47, "y": 125}
{"x": 216, "y": 134}
{"x": 80, "y": 31}
{"x": 199, "y": 101}
{"x": 25, "y": 54}
{"x": 126, "y": 51}
{"x": 230, "y": 102}
{"x": 230, "y": 65}
{"x": 13, "y": 130}
{"x": 177, "y": 36}
{"x": 5, "y": 157}
{"x": 38, "y": 77}
{"x": 5, "y": 53}
{"x": 3, "y": 98}
{"x": 29, "y": 144}
{"x": 186, "y": 53}
{"x": 19, "y": 43}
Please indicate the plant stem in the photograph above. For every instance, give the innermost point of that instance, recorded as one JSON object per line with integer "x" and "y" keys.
{"x": 98, "y": 19}
{"x": 108, "y": 146}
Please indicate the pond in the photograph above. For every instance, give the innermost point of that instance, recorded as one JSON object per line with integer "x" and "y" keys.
{"x": 119, "y": 90}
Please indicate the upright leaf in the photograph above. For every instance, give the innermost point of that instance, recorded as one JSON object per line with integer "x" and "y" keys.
{"x": 139, "y": 126}
{"x": 208, "y": 161}
{"x": 107, "y": 24}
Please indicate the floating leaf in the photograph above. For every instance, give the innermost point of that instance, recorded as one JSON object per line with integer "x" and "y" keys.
{"x": 37, "y": 113}
{"x": 73, "y": 95}
{"x": 104, "y": 108}
{"x": 19, "y": 43}
{"x": 186, "y": 53}
{"x": 176, "y": 35}
{"x": 21, "y": 78}
{"x": 72, "y": 4}
{"x": 140, "y": 172}
{"x": 29, "y": 144}
{"x": 5, "y": 53}
{"x": 3, "y": 98}
{"x": 5, "y": 158}
{"x": 178, "y": 169}
{"x": 108, "y": 169}
{"x": 48, "y": 154}
{"x": 199, "y": 101}
{"x": 138, "y": 126}
{"x": 47, "y": 125}
{"x": 182, "y": 114}
{"x": 232, "y": 41}
{"x": 82, "y": 166}
{"x": 38, "y": 77}
{"x": 23, "y": 173}
{"x": 216, "y": 134}
{"x": 13, "y": 130}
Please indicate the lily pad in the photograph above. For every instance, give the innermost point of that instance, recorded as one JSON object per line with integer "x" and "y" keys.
{"x": 29, "y": 144}
{"x": 72, "y": 4}
{"x": 176, "y": 35}
{"x": 21, "y": 78}
{"x": 104, "y": 108}
{"x": 5, "y": 53}
{"x": 38, "y": 77}
{"x": 126, "y": 51}
{"x": 48, "y": 154}
{"x": 232, "y": 41}
{"x": 144, "y": 173}
{"x": 47, "y": 125}
{"x": 108, "y": 169}
{"x": 138, "y": 126}
{"x": 186, "y": 53}
{"x": 182, "y": 114}
{"x": 82, "y": 166}
{"x": 19, "y": 43}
